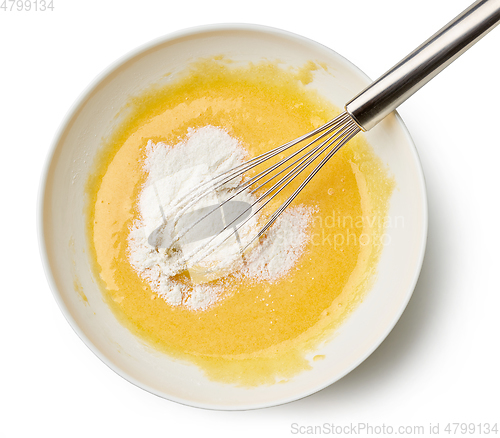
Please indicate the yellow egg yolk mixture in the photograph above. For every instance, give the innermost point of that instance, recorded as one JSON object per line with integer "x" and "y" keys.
{"x": 261, "y": 332}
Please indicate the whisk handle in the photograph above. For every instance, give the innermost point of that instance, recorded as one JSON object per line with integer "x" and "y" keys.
{"x": 395, "y": 86}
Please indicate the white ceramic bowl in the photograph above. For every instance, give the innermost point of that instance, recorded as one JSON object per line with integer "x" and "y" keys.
{"x": 62, "y": 231}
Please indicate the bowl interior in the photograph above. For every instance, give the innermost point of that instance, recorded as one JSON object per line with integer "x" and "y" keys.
{"x": 62, "y": 230}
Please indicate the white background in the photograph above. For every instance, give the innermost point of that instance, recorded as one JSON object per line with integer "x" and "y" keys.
{"x": 441, "y": 362}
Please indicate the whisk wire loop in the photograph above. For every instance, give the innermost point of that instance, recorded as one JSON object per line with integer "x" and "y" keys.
{"x": 335, "y": 133}
{"x": 329, "y": 129}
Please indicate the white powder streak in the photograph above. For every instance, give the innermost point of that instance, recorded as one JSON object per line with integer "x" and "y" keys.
{"x": 173, "y": 171}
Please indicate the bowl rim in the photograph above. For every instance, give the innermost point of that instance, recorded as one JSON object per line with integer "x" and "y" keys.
{"x": 78, "y": 104}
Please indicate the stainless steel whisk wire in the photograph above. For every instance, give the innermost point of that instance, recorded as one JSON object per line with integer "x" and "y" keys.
{"x": 362, "y": 113}
{"x": 340, "y": 136}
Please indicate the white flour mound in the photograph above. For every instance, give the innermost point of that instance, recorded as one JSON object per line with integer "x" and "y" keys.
{"x": 173, "y": 172}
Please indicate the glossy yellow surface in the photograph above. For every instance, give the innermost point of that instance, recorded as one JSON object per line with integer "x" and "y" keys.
{"x": 261, "y": 332}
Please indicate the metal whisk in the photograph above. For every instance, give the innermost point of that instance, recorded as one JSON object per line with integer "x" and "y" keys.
{"x": 362, "y": 113}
